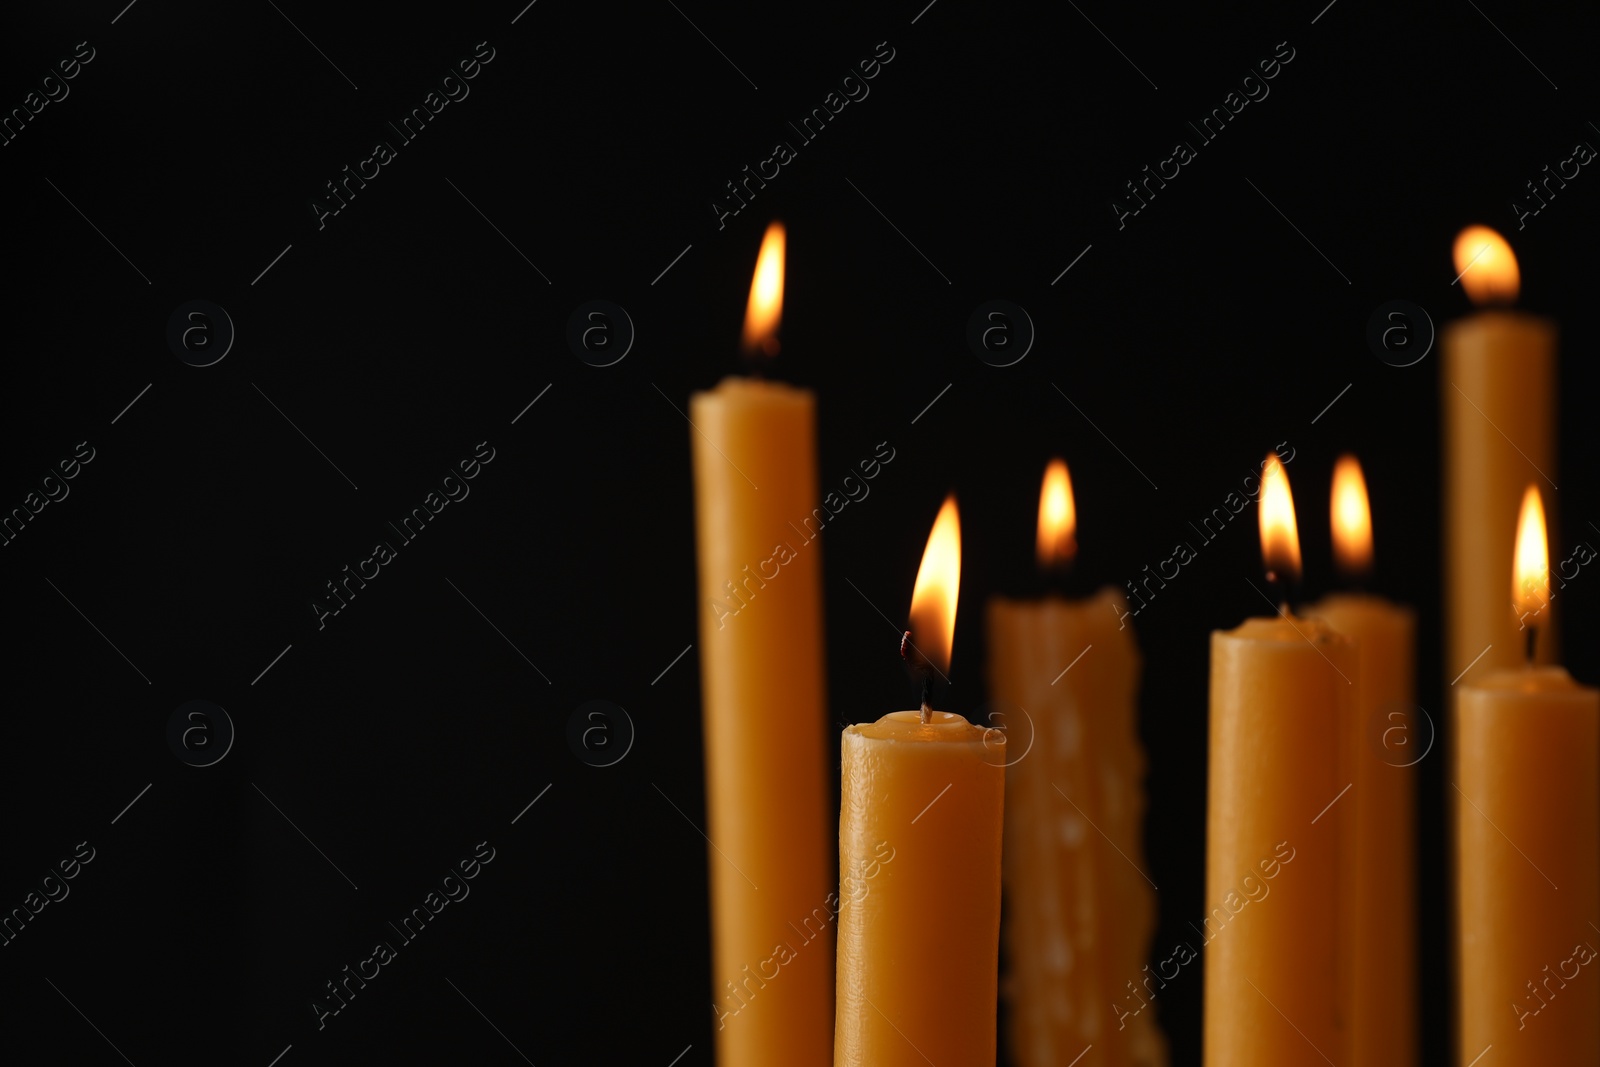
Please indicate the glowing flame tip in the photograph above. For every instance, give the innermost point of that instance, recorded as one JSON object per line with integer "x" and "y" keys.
{"x": 1280, "y": 537}
{"x": 1352, "y": 518}
{"x": 1058, "y": 517}
{"x": 933, "y": 598}
{"x": 1530, "y": 571}
{"x": 764, "y": 311}
{"x": 1486, "y": 266}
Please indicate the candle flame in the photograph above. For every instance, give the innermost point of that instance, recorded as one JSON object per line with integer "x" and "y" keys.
{"x": 1530, "y": 569}
{"x": 1486, "y": 266}
{"x": 1352, "y": 518}
{"x": 933, "y": 598}
{"x": 1058, "y": 518}
{"x": 1280, "y": 537}
{"x": 765, "y": 308}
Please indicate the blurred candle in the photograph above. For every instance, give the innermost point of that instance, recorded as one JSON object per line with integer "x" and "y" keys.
{"x": 767, "y": 811}
{"x": 1383, "y": 746}
{"x": 1497, "y": 396}
{"x": 919, "y": 931}
{"x": 1527, "y": 836}
{"x": 1281, "y": 693}
{"x": 1079, "y": 910}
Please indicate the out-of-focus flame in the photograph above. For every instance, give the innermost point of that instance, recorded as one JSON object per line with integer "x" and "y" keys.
{"x": 1280, "y": 537}
{"x": 1530, "y": 568}
{"x": 1058, "y": 517}
{"x": 933, "y": 599}
{"x": 1352, "y": 518}
{"x": 765, "y": 309}
{"x": 1486, "y": 266}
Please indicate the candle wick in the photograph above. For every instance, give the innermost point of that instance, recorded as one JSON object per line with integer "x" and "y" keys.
{"x": 921, "y": 670}
{"x": 1533, "y": 638}
{"x": 1278, "y": 589}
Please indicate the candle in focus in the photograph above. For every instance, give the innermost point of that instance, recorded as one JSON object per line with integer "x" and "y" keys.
{"x": 919, "y": 862}
{"x": 1079, "y": 910}
{"x": 767, "y": 811}
{"x": 1383, "y": 745}
{"x": 1527, "y": 837}
{"x": 1281, "y": 693}
{"x": 1497, "y": 395}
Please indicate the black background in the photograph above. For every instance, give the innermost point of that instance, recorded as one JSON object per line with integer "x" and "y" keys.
{"x": 408, "y": 329}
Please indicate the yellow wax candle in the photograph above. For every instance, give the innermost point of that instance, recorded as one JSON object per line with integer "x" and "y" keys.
{"x": 764, "y": 722}
{"x": 1527, "y": 837}
{"x": 1079, "y": 910}
{"x": 1385, "y": 743}
{"x": 1281, "y": 692}
{"x": 1498, "y": 411}
{"x": 919, "y": 860}
{"x": 919, "y": 943}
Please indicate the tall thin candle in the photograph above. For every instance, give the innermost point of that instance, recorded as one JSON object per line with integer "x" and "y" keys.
{"x": 1281, "y": 690}
{"x": 1080, "y": 908}
{"x": 1383, "y": 745}
{"x": 1497, "y": 399}
{"x": 764, "y": 715}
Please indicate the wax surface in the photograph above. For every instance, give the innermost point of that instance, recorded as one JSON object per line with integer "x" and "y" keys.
{"x": 1497, "y": 395}
{"x": 1079, "y": 912}
{"x": 1388, "y": 737}
{"x": 1527, "y": 835}
{"x": 765, "y": 725}
{"x": 919, "y": 933}
{"x": 1275, "y": 991}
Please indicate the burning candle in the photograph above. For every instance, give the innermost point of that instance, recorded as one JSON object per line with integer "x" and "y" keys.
{"x": 1281, "y": 692}
{"x": 919, "y": 861}
{"x": 1383, "y": 748}
{"x": 1497, "y": 389}
{"x": 767, "y": 810}
{"x": 1079, "y": 909}
{"x": 1527, "y": 837}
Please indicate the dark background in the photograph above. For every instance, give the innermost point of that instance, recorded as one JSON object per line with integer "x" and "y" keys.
{"x": 408, "y": 330}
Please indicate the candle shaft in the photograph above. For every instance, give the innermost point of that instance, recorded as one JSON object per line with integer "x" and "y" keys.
{"x": 765, "y": 724}
{"x": 1386, "y": 740}
{"x": 1080, "y": 911}
{"x": 1497, "y": 393}
{"x": 919, "y": 860}
{"x": 1527, "y": 836}
{"x": 1275, "y": 990}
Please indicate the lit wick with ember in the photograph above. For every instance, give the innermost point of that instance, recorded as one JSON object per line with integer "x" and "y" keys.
{"x": 933, "y": 602}
{"x": 1280, "y": 537}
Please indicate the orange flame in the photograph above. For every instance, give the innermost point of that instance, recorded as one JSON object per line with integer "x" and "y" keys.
{"x": 765, "y": 309}
{"x": 1352, "y": 518}
{"x": 1530, "y": 568}
{"x": 1280, "y": 537}
{"x": 1058, "y": 518}
{"x": 1486, "y": 266}
{"x": 933, "y": 598}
